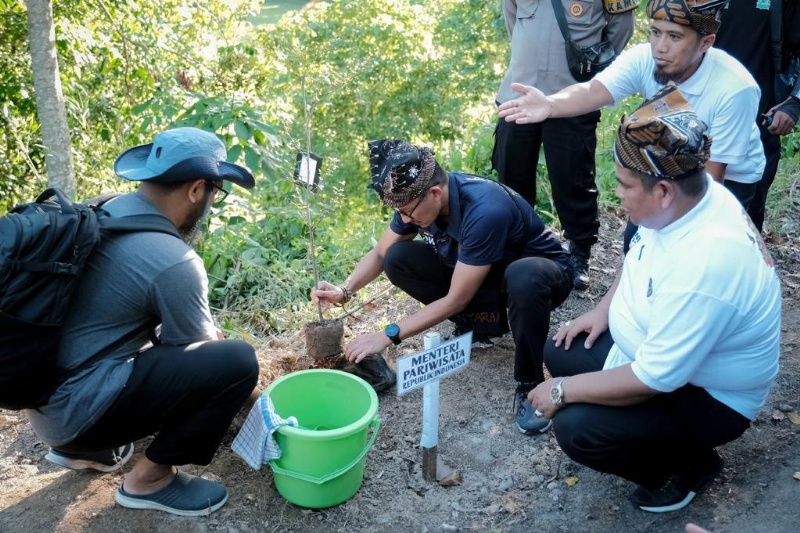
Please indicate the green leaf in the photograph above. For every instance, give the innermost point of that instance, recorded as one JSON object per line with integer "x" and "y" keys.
{"x": 242, "y": 130}
{"x": 234, "y": 152}
{"x": 145, "y": 125}
{"x": 251, "y": 158}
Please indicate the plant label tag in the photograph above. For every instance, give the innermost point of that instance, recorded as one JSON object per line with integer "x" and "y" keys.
{"x": 415, "y": 370}
{"x": 306, "y": 170}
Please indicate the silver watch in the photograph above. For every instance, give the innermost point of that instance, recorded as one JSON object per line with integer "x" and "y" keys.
{"x": 557, "y": 392}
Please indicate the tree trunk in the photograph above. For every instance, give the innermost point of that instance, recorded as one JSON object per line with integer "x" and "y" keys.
{"x": 49, "y": 98}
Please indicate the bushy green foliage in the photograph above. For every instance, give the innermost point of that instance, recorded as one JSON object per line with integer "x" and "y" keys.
{"x": 112, "y": 57}
{"x": 373, "y": 71}
{"x": 382, "y": 70}
{"x": 21, "y": 160}
{"x": 422, "y": 71}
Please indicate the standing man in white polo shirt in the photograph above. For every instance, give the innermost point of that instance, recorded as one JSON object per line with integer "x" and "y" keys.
{"x": 720, "y": 90}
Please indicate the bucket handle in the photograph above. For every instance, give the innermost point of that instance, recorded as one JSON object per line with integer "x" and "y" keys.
{"x": 375, "y": 424}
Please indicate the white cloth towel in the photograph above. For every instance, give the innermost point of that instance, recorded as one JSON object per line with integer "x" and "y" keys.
{"x": 254, "y": 443}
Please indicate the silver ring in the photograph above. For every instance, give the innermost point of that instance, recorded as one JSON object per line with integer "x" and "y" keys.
{"x": 538, "y": 412}
{"x": 567, "y": 323}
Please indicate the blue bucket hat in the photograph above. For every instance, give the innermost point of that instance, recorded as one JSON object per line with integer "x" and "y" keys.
{"x": 181, "y": 154}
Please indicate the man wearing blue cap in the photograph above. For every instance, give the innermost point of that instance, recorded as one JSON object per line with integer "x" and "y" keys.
{"x": 140, "y": 354}
{"x": 484, "y": 261}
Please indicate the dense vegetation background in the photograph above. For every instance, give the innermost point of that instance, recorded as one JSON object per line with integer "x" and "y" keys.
{"x": 422, "y": 71}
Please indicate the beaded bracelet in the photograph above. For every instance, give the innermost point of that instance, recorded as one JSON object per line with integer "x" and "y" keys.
{"x": 347, "y": 294}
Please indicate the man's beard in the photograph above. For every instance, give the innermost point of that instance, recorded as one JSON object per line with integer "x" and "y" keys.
{"x": 191, "y": 229}
{"x": 661, "y": 77}
{"x": 190, "y": 233}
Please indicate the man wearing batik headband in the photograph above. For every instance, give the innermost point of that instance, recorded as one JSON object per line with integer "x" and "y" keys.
{"x": 679, "y": 356}
{"x": 485, "y": 261}
{"x": 720, "y": 90}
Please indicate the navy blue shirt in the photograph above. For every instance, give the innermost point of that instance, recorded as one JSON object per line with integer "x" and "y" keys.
{"x": 488, "y": 224}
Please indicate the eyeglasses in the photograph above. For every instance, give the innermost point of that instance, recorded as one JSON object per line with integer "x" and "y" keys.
{"x": 408, "y": 215}
{"x": 219, "y": 193}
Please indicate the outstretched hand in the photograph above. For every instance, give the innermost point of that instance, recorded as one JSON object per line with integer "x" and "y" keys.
{"x": 532, "y": 107}
{"x": 593, "y": 323}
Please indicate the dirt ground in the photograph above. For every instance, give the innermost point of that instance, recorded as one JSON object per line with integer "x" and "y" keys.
{"x": 511, "y": 482}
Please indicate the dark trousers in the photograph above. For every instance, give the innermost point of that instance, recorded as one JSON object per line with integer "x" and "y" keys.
{"x": 529, "y": 289}
{"x": 646, "y": 442}
{"x": 744, "y": 192}
{"x": 772, "y": 151}
{"x": 569, "y": 147}
{"x": 186, "y": 395}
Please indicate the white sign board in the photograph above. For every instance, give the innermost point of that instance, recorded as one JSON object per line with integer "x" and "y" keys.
{"x": 415, "y": 370}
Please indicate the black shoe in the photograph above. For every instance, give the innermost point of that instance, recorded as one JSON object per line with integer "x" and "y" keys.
{"x": 374, "y": 370}
{"x": 580, "y": 273}
{"x": 102, "y": 461}
{"x": 580, "y": 266}
{"x": 680, "y": 490}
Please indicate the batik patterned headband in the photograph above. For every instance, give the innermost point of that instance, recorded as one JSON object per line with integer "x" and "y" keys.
{"x": 663, "y": 137}
{"x": 705, "y": 16}
{"x": 400, "y": 171}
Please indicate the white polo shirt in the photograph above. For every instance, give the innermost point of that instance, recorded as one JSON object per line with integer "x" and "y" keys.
{"x": 699, "y": 302}
{"x": 722, "y": 93}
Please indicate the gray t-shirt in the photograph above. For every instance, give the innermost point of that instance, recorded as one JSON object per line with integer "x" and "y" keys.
{"x": 133, "y": 282}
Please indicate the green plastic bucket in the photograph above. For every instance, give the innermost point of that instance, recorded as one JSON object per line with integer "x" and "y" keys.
{"x": 322, "y": 460}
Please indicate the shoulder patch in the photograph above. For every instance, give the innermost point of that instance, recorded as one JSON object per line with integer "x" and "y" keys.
{"x": 576, "y": 9}
{"x": 615, "y": 7}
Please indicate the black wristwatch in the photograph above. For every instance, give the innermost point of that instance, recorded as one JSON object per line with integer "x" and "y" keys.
{"x": 393, "y": 332}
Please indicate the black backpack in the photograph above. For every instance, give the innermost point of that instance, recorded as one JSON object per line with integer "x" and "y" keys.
{"x": 44, "y": 246}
